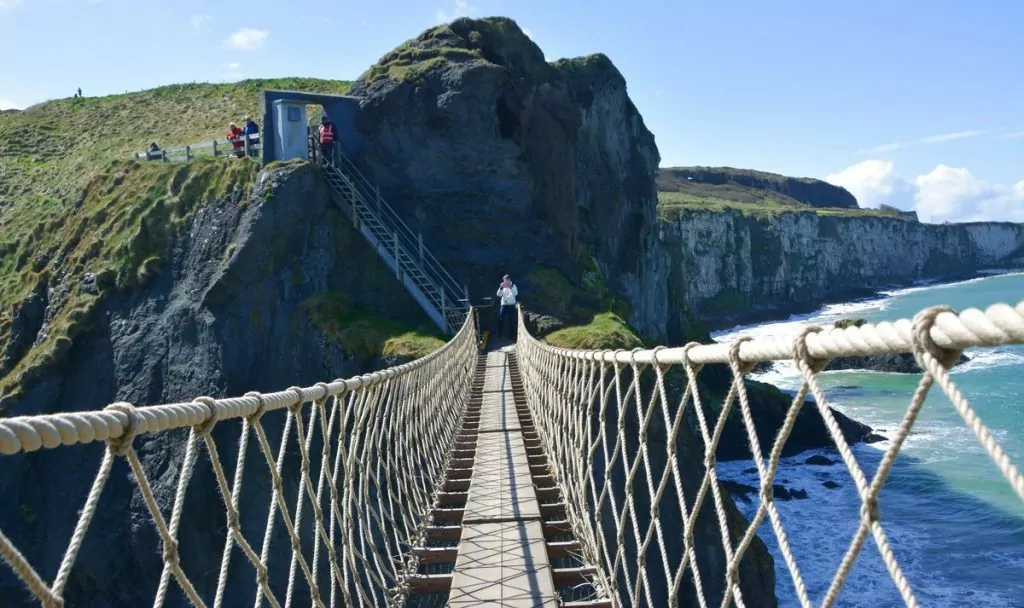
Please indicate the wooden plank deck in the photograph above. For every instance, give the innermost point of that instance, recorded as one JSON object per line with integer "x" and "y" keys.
{"x": 502, "y": 557}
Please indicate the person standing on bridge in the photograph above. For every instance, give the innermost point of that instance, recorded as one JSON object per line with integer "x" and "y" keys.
{"x": 328, "y": 135}
{"x": 507, "y": 293}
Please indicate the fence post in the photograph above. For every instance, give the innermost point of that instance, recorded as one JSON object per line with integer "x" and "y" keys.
{"x": 444, "y": 315}
{"x": 215, "y": 148}
{"x": 246, "y": 137}
{"x": 398, "y": 264}
{"x": 163, "y": 155}
{"x": 188, "y": 153}
{"x": 421, "y": 246}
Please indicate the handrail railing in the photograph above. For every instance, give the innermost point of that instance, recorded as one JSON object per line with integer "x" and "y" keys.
{"x": 406, "y": 418}
{"x": 412, "y": 240}
{"x": 452, "y": 299}
{"x": 632, "y": 438}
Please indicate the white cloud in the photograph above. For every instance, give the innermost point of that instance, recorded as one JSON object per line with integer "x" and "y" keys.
{"x": 1014, "y": 135}
{"x": 7, "y": 104}
{"x": 235, "y": 66}
{"x": 943, "y": 194}
{"x": 247, "y": 39}
{"x": 462, "y": 8}
{"x": 528, "y": 33}
{"x": 931, "y": 139}
{"x": 200, "y": 23}
{"x": 875, "y": 182}
{"x": 6, "y": 4}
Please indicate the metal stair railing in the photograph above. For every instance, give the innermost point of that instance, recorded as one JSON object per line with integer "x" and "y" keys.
{"x": 441, "y": 296}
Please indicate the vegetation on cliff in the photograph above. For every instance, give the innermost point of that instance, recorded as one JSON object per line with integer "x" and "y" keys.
{"x": 58, "y": 258}
{"x": 80, "y": 218}
{"x": 495, "y": 40}
{"x": 366, "y": 334}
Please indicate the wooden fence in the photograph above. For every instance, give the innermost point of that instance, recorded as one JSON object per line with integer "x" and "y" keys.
{"x": 250, "y": 147}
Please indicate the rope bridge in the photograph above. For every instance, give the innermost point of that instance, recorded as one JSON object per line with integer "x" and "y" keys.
{"x": 629, "y": 440}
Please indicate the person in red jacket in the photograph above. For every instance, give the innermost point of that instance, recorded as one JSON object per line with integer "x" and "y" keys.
{"x": 328, "y": 135}
{"x": 236, "y": 137}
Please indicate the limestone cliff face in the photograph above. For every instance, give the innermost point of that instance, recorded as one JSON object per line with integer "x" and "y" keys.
{"x": 507, "y": 163}
{"x": 224, "y": 316}
{"x": 728, "y": 267}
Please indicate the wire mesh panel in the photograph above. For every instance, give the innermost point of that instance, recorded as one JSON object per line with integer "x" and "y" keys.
{"x": 632, "y": 438}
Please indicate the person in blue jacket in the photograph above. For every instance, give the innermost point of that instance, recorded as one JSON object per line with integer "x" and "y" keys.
{"x": 250, "y": 129}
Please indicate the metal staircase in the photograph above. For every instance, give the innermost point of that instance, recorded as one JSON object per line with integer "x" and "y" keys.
{"x": 440, "y": 295}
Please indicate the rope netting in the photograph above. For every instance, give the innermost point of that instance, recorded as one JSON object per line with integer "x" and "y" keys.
{"x": 372, "y": 450}
{"x": 632, "y": 439}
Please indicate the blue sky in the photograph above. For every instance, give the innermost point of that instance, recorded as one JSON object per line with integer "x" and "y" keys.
{"x": 916, "y": 104}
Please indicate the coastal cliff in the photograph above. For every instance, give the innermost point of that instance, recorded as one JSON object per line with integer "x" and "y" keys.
{"x": 730, "y": 267}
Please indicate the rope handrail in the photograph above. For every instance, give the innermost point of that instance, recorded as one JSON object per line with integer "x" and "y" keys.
{"x": 999, "y": 324}
{"x": 634, "y": 449}
{"x": 362, "y": 500}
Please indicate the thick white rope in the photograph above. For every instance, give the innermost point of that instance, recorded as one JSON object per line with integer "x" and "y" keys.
{"x": 568, "y": 389}
{"x": 406, "y": 416}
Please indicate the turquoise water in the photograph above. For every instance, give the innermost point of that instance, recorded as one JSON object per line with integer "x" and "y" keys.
{"x": 956, "y": 526}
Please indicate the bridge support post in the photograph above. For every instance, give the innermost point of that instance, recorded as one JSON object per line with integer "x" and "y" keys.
{"x": 420, "y": 236}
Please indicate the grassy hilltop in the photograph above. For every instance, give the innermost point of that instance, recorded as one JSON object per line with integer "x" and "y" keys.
{"x": 754, "y": 193}
{"x": 79, "y": 217}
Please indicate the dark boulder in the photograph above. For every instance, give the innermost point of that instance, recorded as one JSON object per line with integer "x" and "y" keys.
{"x": 819, "y": 460}
{"x": 902, "y": 363}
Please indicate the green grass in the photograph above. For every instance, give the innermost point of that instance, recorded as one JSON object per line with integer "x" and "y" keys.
{"x": 494, "y": 40}
{"x": 365, "y": 334}
{"x": 74, "y": 204}
{"x": 118, "y": 232}
{"x": 672, "y": 205}
{"x": 605, "y": 331}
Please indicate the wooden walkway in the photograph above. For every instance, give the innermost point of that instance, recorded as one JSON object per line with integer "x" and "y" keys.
{"x": 498, "y": 535}
{"x": 502, "y": 557}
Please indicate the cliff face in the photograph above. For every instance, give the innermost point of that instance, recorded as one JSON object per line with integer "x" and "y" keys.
{"x": 729, "y": 268}
{"x": 227, "y": 314}
{"x": 799, "y": 190}
{"x": 509, "y": 164}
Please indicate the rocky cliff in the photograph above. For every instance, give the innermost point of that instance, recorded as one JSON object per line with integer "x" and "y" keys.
{"x": 730, "y": 267}
{"x": 231, "y": 309}
{"x": 508, "y": 163}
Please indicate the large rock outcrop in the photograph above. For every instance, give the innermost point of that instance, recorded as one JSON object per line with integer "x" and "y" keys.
{"x": 732, "y": 182}
{"x": 729, "y": 267}
{"x": 508, "y": 163}
{"x": 225, "y": 315}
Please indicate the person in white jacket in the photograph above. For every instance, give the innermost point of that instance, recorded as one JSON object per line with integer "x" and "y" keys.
{"x": 507, "y": 293}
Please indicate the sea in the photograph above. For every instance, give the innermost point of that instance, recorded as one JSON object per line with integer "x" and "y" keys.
{"x": 952, "y": 520}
